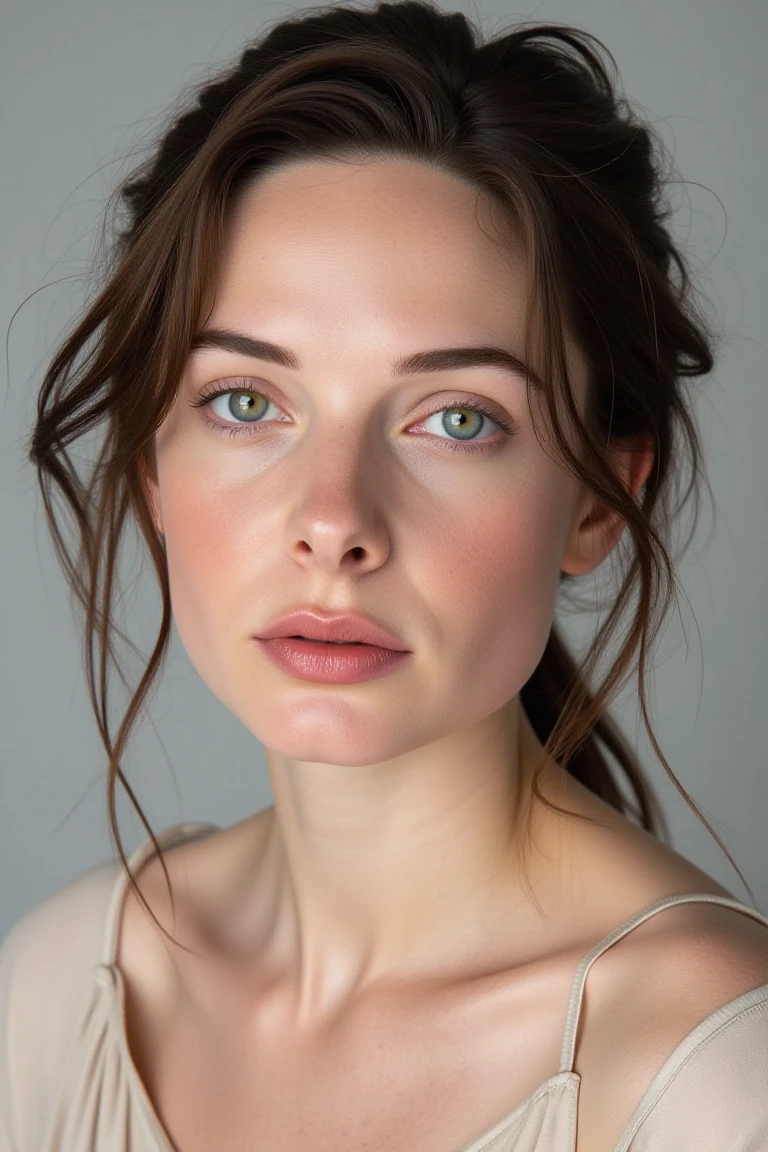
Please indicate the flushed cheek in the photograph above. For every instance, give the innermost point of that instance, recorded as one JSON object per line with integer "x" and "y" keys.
{"x": 495, "y": 584}
{"x": 215, "y": 543}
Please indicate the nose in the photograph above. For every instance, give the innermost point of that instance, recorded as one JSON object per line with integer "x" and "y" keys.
{"x": 339, "y": 523}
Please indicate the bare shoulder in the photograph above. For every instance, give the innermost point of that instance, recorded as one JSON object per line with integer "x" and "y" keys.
{"x": 654, "y": 986}
{"x": 671, "y": 978}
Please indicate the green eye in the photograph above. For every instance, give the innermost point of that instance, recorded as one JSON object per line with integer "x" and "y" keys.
{"x": 462, "y": 422}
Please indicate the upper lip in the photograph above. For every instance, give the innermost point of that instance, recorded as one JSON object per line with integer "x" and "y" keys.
{"x": 317, "y": 624}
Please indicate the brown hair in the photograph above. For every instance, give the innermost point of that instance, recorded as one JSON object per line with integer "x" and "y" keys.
{"x": 532, "y": 119}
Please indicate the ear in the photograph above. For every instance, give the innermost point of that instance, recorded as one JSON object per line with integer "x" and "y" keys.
{"x": 596, "y": 528}
{"x": 151, "y": 489}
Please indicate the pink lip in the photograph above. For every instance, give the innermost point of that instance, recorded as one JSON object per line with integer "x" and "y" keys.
{"x": 344, "y": 627}
{"x": 331, "y": 663}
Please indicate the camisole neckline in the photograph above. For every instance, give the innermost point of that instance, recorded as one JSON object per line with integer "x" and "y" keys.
{"x": 565, "y": 1080}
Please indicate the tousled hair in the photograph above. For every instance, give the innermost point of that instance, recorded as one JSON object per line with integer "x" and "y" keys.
{"x": 533, "y": 120}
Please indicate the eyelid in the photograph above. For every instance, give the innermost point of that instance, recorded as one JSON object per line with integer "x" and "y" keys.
{"x": 245, "y": 384}
{"x": 233, "y": 384}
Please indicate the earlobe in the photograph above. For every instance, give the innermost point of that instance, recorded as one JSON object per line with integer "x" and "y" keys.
{"x": 596, "y": 528}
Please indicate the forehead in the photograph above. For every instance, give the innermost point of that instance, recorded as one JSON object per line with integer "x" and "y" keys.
{"x": 386, "y": 232}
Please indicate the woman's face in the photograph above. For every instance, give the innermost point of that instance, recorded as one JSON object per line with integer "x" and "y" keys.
{"x": 348, "y": 489}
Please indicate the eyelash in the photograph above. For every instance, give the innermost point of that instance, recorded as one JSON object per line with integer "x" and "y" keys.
{"x": 509, "y": 429}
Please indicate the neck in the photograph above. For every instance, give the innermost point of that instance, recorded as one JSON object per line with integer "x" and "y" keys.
{"x": 404, "y": 869}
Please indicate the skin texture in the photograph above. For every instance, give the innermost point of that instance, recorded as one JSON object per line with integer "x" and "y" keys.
{"x": 395, "y": 833}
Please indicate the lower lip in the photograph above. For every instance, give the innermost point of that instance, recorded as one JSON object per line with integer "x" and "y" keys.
{"x": 331, "y": 663}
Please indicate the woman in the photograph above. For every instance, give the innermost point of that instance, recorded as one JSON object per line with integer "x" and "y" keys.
{"x": 389, "y": 354}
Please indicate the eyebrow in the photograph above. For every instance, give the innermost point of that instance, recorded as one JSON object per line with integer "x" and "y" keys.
{"x": 435, "y": 360}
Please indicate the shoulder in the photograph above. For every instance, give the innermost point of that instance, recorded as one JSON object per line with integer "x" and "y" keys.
{"x": 675, "y": 1018}
{"x": 60, "y": 937}
{"x": 46, "y": 977}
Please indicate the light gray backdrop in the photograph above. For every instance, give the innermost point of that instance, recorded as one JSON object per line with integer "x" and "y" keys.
{"x": 83, "y": 83}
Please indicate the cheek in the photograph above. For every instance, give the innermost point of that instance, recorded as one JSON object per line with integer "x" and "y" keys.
{"x": 495, "y": 581}
{"x": 209, "y": 554}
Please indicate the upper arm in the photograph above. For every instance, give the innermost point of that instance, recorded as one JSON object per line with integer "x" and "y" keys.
{"x": 46, "y": 976}
{"x": 659, "y": 991}
{"x": 8, "y": 968}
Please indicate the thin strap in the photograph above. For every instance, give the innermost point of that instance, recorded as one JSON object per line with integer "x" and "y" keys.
{"x": 577, "y": 986}
{"x": 167, "y": 839}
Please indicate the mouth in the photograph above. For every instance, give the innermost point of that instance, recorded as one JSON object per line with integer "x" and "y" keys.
{"x": 344, "y": 629}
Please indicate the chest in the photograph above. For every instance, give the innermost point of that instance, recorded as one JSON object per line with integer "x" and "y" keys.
{"x": 400, "y": 1075}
